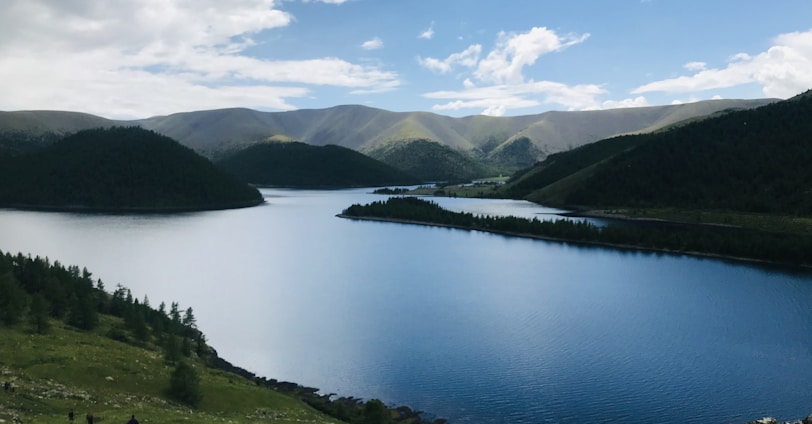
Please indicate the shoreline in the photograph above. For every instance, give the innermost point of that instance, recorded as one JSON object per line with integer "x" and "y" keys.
{"x": 133, "y": 210}
{"x": 618, "y": 246}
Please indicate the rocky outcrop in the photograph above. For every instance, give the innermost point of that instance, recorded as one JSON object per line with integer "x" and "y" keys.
{"x": 771, "y": 420}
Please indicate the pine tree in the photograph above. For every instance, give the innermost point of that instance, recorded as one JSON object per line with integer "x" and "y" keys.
{"x": 12, "y": 299}
{"x": 184, "y": 385}
{"x": 38, "y": 314}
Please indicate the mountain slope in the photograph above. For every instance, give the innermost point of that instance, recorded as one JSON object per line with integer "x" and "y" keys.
{"x": 429, "y": 161}
{"x": 752, "y": 160}
{"x": 489, "y": 139}
{"x": 119, "y": 169}
{"x": 295, "y": 164}
{"x": 364, "y": 128}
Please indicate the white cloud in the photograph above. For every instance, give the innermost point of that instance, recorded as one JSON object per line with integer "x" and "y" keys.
{"x": 638, "y": 101}
{"x": 783, "y": 70}
{"x": 498, "y": 99}
{"x": 428, "y": 33}
{"x": 468, "y": 58}
{"x": 504, "y": 64}
{"x": 695, "y": 66}
{"x": 142, "y": 57}
{"x": 502, "y": 86}
{"x": 373, "y": 44}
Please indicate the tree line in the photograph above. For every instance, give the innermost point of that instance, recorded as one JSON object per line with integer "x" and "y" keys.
{"x": 34, "y": 291}
{"x": 794, "y": 249}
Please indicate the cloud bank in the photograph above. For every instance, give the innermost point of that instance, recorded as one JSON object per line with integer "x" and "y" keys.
{"x": 783, "y": 70}
{"x": 141, "y": 57}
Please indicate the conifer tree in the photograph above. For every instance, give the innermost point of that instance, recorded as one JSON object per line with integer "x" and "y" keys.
{"x": 184, "y": 385}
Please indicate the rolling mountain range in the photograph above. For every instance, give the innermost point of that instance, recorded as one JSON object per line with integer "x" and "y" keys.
{"x": 496, "y": 144}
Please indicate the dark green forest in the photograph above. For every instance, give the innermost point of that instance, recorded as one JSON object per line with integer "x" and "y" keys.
{"x": 794, "y": 249}
{"x": 15, "y": 143}
{"x": 295, "y": 164}
{"x": 119, "y": 169}
{"x": 750, "y": 161}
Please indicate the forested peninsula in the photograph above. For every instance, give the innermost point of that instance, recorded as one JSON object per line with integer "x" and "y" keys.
{"x": 119, "y": 169}
{"x": 704, "y": 240}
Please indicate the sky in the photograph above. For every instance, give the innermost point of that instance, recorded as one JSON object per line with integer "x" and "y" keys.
{"x": 130, "y": 59}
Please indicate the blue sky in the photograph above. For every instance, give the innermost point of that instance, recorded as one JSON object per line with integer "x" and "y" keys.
{"x": 139, "y": 58}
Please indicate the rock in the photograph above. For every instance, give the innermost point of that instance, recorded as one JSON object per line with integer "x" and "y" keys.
{"x": 765, "y": 420}
{"x": 807, "y": 420}
{"x": 108, "y": 378}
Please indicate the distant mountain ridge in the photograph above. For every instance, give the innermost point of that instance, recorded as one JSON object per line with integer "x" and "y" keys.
{"x": 488, "y": 139}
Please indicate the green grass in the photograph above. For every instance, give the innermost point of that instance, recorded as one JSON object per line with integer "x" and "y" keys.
{"x": 762, "y": 222}
{"x": 85, "y": 371}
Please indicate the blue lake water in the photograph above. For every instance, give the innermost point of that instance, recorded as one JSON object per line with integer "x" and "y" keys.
{"x": 473, "y": 327}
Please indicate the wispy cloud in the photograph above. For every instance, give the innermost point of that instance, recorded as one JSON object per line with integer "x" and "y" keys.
{"x": 783, "y": 70}
{"x": 142, "y": 57}
{"x": 497, "y": 84}
{"x": 695, "y": 66}
{"x": 372, "y": 44}
{"x": 467, "y": 58}
{"x": 514, "y": 52}
{"x": 428, "y": 33}
{"x": 496, "y": 100}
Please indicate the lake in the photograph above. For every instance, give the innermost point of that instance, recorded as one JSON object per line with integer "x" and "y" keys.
{"x": 469, "y": 326}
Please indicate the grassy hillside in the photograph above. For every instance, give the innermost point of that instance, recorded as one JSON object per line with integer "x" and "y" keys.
{"x": 753, "y": 161}
{"x": 119, "y": 169}
{"x": 365, "y": 128}
{"x": 746, "y": 168}
{"x": 67, "y": 344}
{"x": 86, "y": 371}
{"x": 560, "y": 167}
{"x": 51, "y": 121}
{"x": 294, "y": 164}
{"x": 430, "y": 161}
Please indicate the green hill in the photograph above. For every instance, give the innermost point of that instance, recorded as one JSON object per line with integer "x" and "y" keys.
{"x": 295, "y": 164}
{"x": 429, "y": 161}
{"x": 119, "y": 169}
{"x": 749, "y": 161}
{"x": 69, "y": 345}
{"x": 85, "y": 371}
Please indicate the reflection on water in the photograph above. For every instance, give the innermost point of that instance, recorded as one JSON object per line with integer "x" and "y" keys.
{"x": 474, "y": 327}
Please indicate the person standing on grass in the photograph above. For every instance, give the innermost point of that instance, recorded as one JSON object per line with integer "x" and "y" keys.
{"x": 70, "y": 415}
{"x": 132, "y": 420}
{"x": 89, "y": 417}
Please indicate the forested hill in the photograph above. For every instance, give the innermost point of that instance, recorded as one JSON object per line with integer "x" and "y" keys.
{"x": 119, "y": 169}
{"x": 295, "y": 164}
{"x": 753, "y": 160}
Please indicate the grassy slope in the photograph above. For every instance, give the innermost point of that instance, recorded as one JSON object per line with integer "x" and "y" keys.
{"x": 70, "y": 369}
{"x": 363, "y": 128}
